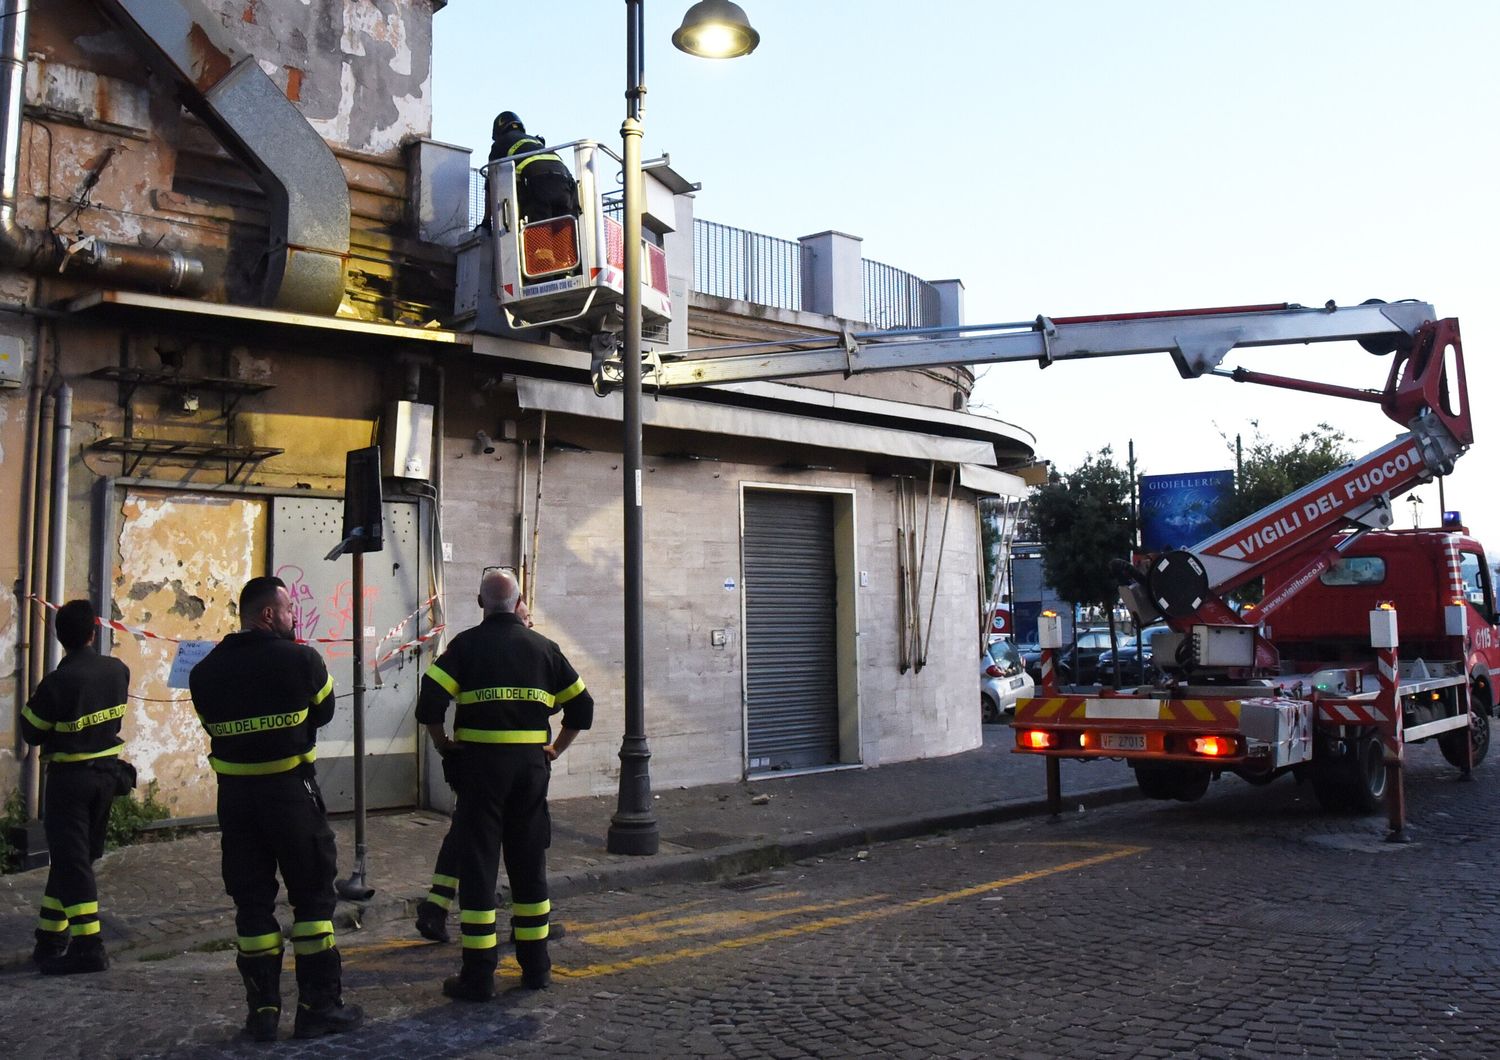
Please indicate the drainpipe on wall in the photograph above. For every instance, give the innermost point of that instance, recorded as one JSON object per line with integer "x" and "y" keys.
{"x": 25, "y": 608}
{"x": 36, "y": 659}
{"x": 57, "y": 540}
{"x": 44, "y": 252}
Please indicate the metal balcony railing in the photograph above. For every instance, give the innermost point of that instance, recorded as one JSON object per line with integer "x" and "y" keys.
{"x": 896, "y": 299}
{"x": 733, "y": 263}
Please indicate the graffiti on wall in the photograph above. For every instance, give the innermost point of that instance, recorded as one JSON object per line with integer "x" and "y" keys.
{"x": 329, "y": 616}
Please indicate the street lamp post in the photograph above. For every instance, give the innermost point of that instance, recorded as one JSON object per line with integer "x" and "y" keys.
{"x": 1416, "y": 510}
{"x": 715, "y": 29}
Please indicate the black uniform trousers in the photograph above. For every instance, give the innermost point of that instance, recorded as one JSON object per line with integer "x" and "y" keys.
{"x": 549, "y": 192}
{"x": 502, "y": 809}
{"x": 78, "y": 796}
{"x": 272, "y": 822}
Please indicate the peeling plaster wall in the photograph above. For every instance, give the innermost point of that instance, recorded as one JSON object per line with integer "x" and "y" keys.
{"x": 179, "y": 563}
{"x": 360, "y": 70}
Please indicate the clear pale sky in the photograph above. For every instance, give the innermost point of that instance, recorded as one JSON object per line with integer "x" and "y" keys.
{"x": 1077, "y": 157}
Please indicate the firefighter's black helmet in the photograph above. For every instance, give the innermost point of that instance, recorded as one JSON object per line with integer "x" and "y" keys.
{"x": 504, "y": 120}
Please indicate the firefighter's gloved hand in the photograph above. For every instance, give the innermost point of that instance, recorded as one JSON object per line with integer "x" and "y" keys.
{"x": 452, "y": 765}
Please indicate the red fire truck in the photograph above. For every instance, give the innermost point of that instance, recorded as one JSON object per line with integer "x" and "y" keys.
{"x": 1314, "y": 679}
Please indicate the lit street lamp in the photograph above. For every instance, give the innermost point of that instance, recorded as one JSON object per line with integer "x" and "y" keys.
{"x": 712, "y": 29}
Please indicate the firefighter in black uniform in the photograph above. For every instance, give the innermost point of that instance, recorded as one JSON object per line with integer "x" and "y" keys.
{"x": 74, "y": 717}
{"x": 262, "y": 697}
{"x": 508, "y": 681}
{"x": 432, "y": 911}
{"x": 544, "y": 186}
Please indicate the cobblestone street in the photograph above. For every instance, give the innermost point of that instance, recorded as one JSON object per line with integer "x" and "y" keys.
{"x": 1249, "y": 924}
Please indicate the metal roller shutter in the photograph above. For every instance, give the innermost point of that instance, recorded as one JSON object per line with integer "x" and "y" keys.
{"x": 790, "y": 630}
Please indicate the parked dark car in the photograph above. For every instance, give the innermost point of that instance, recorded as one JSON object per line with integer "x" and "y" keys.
{"x": 1131, "y": 651}
{"x": 1081, "y": 668}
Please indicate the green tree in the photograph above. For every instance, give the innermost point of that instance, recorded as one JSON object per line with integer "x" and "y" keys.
{"x": 1269, "y": 472}
{"x": 1083, "y": 522}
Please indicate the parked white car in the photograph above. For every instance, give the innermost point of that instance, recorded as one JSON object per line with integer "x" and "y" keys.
{"x": 1002, "y": 680}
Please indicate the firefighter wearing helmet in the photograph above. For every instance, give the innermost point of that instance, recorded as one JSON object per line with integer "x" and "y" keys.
{"x": 544, "y": 186}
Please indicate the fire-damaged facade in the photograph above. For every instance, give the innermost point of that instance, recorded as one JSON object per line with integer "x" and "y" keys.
{"x": 230, "y": 253}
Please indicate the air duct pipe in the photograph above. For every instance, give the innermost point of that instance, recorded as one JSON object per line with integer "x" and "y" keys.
{"x": 306, "y": 191}
{"x": 41, "y": 252}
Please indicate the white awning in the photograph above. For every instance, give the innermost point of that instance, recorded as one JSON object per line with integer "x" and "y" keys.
{"x": 989, "y": 481}
{"x": 674, "y": 413}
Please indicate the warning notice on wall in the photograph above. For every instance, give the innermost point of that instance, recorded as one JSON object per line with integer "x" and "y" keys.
{"x": 189, "y": 654}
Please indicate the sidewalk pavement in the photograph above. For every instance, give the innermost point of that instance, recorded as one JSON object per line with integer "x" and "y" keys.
{"x": 161, "y": 898}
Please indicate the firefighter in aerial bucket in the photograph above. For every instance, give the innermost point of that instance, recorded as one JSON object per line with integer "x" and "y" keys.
{"x": 544, "y": 185}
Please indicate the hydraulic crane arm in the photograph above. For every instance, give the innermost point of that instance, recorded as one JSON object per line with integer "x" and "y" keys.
{"x": 1197, "y": 339}
{"x": 1425, "y": 393}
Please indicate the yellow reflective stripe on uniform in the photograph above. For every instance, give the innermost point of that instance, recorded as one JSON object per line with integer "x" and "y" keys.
{"x": 549, "y": 156}
{"x": 324, "y": 691}
{"x": 99, "y": 717}
{"x": 439, "y": 880}
{"x": 81, "y": 756}
{"x": 500, "y": 735}
{"x": 571, "y": 692}
{"x": 507, "y": 695}
{"x": 438, "y": 674}
{"x": 531, "y": 934}
{"x": 264, "y": 723}
{"x": 48, "y": 902}
{"x": 481, "y": 942}
{"x": 303, "y": 947}
{"x": 82, "y": 909}
{"x": 269, "y": 942}
{"x": 35, "y": 719}
{"x": 256, "y": 769}
{"x": 54, "y": 926}
{"x": 303, "y": 929}
{"x": 541, "y": 908}
{"x": 91, "y": 928}
{"x": 476, "y": 916}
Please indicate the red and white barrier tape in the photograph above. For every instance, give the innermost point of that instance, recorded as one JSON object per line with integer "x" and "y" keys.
{"x": 414, "y": 643}
{"x": 399, "y": 626}
{"x": 136, "y": 631}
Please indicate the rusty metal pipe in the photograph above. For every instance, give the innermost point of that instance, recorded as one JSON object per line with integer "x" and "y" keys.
{"x": 43, "y": 252}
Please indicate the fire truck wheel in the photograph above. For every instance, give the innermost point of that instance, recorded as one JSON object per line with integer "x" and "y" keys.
{"x": 1452, "y": 743}
{"x": 1355, "y": 781}
{"x": 1172, "y": 782}
{"x": 1367, "y": 775}
{"x": 1155, "y": 782}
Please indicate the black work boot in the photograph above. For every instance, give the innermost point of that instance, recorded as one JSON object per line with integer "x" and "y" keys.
{"x": 49, "y": 944}
{"x": 320, "y": 997}
{"x": 475, "y": 980}
{"x": 432, "y": 921}
{"x": 262, "y": 976}
{"x": 85, "y": 954}
{"x": 536, "y": 965}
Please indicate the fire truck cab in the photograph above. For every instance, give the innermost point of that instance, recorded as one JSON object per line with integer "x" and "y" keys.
{"x": 1440, "y": 583}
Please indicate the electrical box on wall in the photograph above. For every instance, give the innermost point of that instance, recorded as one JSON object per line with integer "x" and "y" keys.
{"x": 406, "y": 441}
{"x": 12, "y": 359}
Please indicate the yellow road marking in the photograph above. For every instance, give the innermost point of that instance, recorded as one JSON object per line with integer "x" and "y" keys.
{"x": 637, "y": 918}
{"x": 394, "y": 944}
{"x": 648, "y": 960}
{"x": 710, "y": 922}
